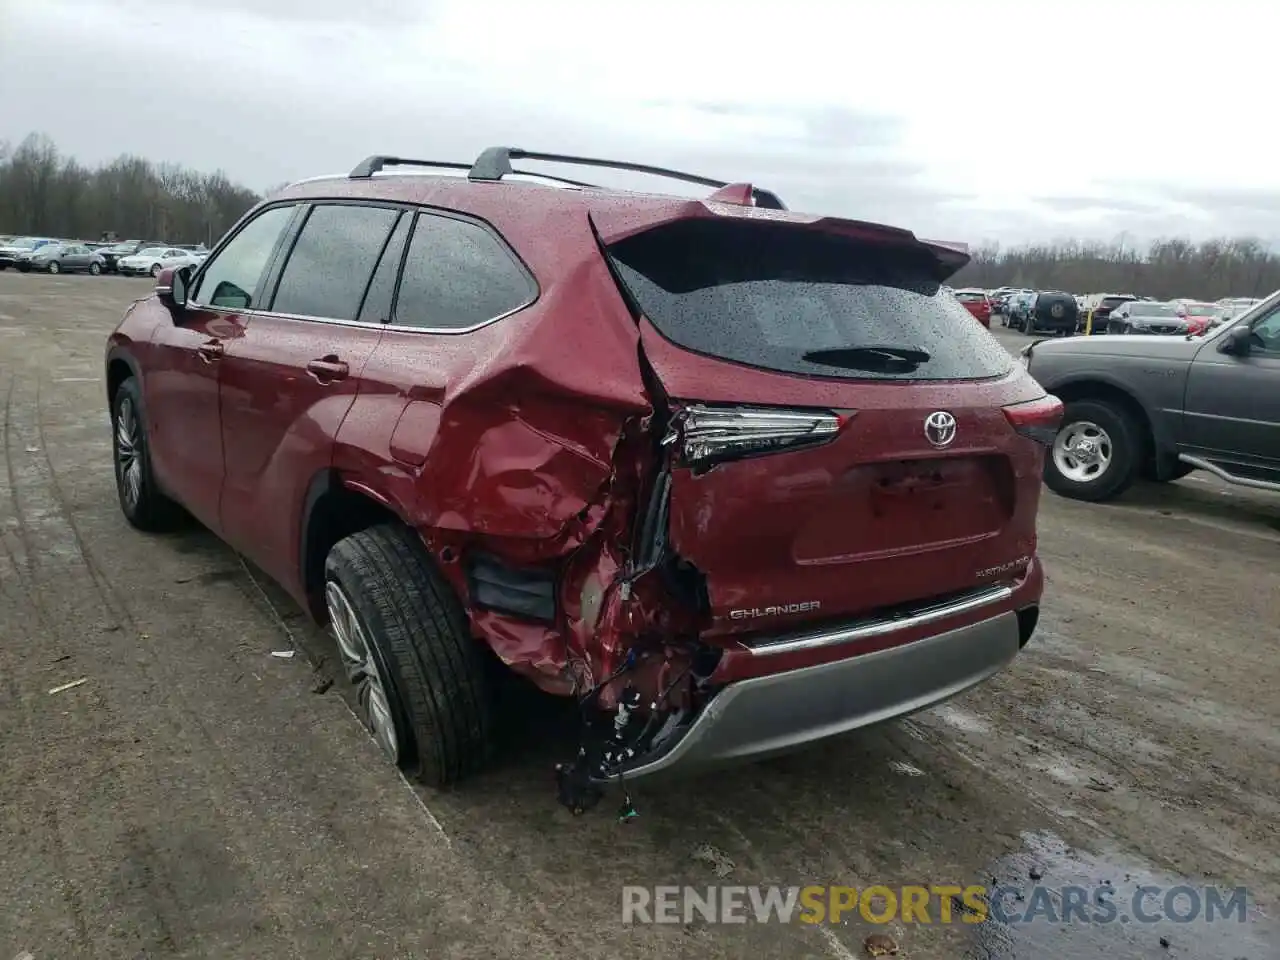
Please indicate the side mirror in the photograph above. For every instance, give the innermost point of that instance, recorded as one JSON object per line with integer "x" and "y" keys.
{"x": 171, "y": 286}
{"x": 1237, "y": 341}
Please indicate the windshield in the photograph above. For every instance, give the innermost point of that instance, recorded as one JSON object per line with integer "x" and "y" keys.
{"x": 803, "y": 302}
{"x": 23, "y": 243}
{"x": 1153, "y": 310}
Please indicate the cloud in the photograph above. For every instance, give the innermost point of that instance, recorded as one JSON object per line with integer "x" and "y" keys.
{"x": 884, "y": 118}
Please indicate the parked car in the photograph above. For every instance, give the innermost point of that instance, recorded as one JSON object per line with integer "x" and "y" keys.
{"x": 976, "y": 302}
{"x": 1160, "y": 407}
{"x": 1198, "y": 315}
{"x": 765, "y": 513}
{"x": 1230, "y": 308}
{"x": 10, "y": 252}
{"x": 154, "y": 259}
{"x": 1019, "y": 309}
{"x": 1095, "y": 321}
{"x": 128, "y": 248}
{"x": 1052, "y": 311}
{"x": 1146, "y": 316}
{"x": 61, "y": 258}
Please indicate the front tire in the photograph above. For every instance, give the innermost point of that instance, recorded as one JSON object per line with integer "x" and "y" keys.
{"x": 1096, "y": 453}
{"x": 95, "y": 269}
{"x": 54, "y": 267}
{"x": 141, "y": 501}
{"x": 420, "y": 677}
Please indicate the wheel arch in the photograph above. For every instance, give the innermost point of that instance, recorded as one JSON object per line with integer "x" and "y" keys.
{"x": 121, "y": 366}
{"x": 333, "y": 508}
{"x": 1109, "y": 391}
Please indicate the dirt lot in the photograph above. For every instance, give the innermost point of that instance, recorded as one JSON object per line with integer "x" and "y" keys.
{"x": 196, "y": 796}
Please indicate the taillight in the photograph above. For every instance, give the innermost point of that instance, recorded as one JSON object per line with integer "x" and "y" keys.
{"x": 708, "y": 435}
{"x": 1036, "y": 420}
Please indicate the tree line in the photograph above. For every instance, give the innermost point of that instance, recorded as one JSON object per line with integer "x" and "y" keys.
{"x": 47, "y": 193}
{"x": 1164, "y": 269}
{"x": 44, "y": 192}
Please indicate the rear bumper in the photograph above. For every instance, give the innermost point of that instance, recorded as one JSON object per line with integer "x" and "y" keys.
{"x": 777, "y": 713}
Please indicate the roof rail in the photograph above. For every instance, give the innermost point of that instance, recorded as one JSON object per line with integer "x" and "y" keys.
{"x": 494, "y": 163}
{"x": 370, "y": 165}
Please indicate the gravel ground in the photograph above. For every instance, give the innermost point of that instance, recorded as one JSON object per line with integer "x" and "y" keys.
{"x": 197, "y": 797}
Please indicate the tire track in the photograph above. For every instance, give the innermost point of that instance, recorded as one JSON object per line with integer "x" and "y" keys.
{"x": 187, "y": 719}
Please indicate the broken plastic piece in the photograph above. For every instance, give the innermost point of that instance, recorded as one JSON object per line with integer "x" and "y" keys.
{"x": 283, "y": 654}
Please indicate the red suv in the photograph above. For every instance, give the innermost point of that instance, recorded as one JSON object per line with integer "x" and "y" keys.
{"x": 735, "y": 478}
{"x": 977, "y": 303}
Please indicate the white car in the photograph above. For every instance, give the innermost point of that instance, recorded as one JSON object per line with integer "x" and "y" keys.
{"x": 154, "y": 259}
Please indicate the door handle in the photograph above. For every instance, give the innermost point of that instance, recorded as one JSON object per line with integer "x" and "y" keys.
{"x": 210, "y": 350}
{"x": 328, "y": 368}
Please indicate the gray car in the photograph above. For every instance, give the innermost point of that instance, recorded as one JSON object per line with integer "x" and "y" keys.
{"x": 1147, "y": 316}
{"x": 62, "y": 258}
{"x": 1160, "y": 407}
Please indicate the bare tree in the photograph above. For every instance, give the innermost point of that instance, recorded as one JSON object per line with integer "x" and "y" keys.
{"x": 1166, "y": 268}
{"x": 45, "y": 193}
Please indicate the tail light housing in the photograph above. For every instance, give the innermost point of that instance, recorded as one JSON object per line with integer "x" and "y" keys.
{"x": 1037, "y": 419}
{"x": 705, "y": 435}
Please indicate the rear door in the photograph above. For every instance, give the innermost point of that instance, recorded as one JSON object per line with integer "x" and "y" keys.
{"x": 76, "y": 257}
{"x": 289, "y": 381}
{"x": 840, "y": 444}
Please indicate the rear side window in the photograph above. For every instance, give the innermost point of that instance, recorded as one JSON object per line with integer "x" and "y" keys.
{"x": 458, "y": 275}
{"x": 796, "y": 301}
{"x": 332, "y": 261}
{"x": 230, "y": 278}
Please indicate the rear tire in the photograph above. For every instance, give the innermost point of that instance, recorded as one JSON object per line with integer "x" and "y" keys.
{"x": 1113, "y": 431}
{"x": 417, "y": 647}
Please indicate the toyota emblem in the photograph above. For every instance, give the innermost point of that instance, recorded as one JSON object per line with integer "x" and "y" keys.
{"x": 940, "y": 428}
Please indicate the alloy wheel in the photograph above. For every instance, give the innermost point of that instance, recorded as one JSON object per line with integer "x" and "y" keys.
{"x": 129, "y": 453}
{"x": 362, "y": 670}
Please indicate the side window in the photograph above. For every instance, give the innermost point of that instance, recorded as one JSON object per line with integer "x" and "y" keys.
{"x": 458, "y": 275}
{"x": 331, "y": 262}
{"x": 231, "y": 276}
{"x": 1267, "y": 330}
{"x": 377, "y": 302}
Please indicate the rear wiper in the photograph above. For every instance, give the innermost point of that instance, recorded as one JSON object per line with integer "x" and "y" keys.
{"x": 871, "y": 357}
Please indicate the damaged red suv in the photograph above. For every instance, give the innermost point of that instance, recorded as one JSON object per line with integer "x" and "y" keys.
{"x": 736, "y": 478}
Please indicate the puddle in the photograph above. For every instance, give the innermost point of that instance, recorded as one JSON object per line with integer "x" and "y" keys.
{"x": 1080, "y": 906}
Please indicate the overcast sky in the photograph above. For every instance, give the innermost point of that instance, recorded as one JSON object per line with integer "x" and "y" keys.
{"x": 959, "y": 119}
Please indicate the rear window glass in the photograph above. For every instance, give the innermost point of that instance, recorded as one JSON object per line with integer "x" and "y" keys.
{"x": 779, "y": 298}
{"x": 968, "y": 296}
{"x": 1112, "y": 302}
